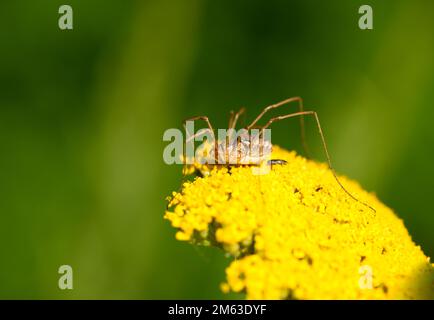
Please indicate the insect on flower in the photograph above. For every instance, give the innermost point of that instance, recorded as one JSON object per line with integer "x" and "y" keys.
{"x": 248, "y": 146}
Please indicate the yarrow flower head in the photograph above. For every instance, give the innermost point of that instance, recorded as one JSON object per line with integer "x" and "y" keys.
{"x": 296, "y": 234}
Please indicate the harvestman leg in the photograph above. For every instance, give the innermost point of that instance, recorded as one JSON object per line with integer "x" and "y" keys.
{"x": 204, "y": 118}
{"x": 279, "y": 104}
{"x": 234, "y": 118}
{"x": 232, "y": 124}
{"x": 210, "y": 129}
{"x": 302, "y": 113}
{"x": 231, "y": 118}
{"x": 199, "y": 133}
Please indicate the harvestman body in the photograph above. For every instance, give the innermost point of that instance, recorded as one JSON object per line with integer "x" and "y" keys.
{"x": 265, "y": 146}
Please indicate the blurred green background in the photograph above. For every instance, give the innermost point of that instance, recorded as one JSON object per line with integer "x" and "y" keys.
{"x": 82, "y": 114}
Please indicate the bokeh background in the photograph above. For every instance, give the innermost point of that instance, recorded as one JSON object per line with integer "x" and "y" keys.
{"x": 82, "y": 114}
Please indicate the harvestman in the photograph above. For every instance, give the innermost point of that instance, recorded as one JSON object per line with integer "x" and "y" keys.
{"x": 301, "y": 113}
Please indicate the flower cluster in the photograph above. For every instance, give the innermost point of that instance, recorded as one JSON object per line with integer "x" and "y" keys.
{"x": 296, "y": 234}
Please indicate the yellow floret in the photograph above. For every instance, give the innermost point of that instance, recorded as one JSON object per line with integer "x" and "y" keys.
{"x": 297, "y": 234}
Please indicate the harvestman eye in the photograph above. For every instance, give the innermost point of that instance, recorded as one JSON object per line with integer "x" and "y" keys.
{"x": 301, "y": 113}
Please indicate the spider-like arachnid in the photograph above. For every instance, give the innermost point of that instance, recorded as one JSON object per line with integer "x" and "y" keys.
{"x": 243, "y": 142}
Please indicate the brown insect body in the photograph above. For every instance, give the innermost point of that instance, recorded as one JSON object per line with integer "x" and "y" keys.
{"x": 245, "y": 149}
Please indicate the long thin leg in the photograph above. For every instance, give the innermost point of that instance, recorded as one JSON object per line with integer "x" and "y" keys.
{"x": 231, "y": 118}
{"x": 302, "y": 127}
{"x": 197, "y": 134}
{"x": 234, "y": 120}
{"x": 204, "y": 118}
{"x": 210, "y": 128}
{"x": 324, "y": 147}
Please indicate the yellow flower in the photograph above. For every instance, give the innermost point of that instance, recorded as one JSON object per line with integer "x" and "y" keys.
{"x": 297, "y": 234}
